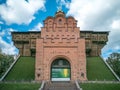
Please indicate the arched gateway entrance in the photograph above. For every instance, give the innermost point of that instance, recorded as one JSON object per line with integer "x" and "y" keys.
{"x": 60, "y": 70}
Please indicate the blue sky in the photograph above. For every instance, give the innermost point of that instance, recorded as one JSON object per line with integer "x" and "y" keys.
{"x": 28, "y": 15}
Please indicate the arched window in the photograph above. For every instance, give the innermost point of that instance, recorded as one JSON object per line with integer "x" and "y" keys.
{"x": 60, "y": 70}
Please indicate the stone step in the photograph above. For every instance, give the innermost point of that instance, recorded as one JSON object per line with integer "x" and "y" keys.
{"x": 60, "y": 86}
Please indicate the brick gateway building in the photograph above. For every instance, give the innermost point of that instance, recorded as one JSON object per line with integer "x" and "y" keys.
{"x": 60, "y": 52}
{"x": 60, "y": 48}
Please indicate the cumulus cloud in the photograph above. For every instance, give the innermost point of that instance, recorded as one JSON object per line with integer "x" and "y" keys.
{"x": 20, "y": 11}
{"x": 61, "y": 3}
{"x": 91, "y": 14}
{"x": 37, "y": 27}
{"x": 6, "y": 32}
{"x": 99, "y": 15}
{"x": 6, "y": 43}
{"x": 113, "y": 44}
{"x": 1, "y": 22}
{"x": 116, "y": 24}
{"x": 2, "y": 33}
{"x": 7, "y": 48}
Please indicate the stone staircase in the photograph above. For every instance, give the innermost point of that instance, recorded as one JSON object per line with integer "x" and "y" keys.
{"x": 60, "y": 86}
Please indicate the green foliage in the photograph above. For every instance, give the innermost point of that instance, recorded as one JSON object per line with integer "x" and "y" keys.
{"x": 97, "y": 70}
{"x": 88, "y": 52}
{"x": 114, "y": 61}
{"x": 23, "y": 70}
{"x": 102, "y": 86}
{"x": 19, "y": 86}
{"x": 5, "y": 62}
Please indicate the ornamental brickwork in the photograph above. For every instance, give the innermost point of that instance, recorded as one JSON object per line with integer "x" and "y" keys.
{"x": 26, "y": 41}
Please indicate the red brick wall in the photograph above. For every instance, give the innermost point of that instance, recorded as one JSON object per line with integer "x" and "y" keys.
{"x": 60, "y": 38}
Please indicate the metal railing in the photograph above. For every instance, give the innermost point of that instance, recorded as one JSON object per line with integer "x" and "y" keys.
{"x": 110, "y": 69}
{"x": 77, "y": 85}
{"x": 9, "y": 68}
{"x": 42, "y": 85}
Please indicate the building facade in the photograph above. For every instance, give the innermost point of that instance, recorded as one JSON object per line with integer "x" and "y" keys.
{"x": 60, "y": 48}
{"x": 26, "y": 41}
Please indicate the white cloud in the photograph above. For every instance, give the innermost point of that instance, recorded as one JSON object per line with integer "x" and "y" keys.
{"x": 7, "y": 48}
{"x": 2, "y": 33}
{"x": 1, "y": 22}
{"x": 0, "y": 25}
{"x": 61, "y": 3}
{"x": 6, "y": 43}
{"x": 91, "y": 14}
{"x": 6, "y": 32}
{"x": 99, "y": 15}
{"x": 116, "y": 24}
{"x": 113, "y": 44}
{"x": 37, "y": 27}
{"x": 20, "y": 11}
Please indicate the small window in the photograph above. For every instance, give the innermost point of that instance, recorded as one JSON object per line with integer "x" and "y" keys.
{"x": 82, "y": 74}
{"x": 47, "y": 35}
{"x": 33, "y": 42}
{"x": 60, "y": 21}
{"x": 50, "y": 21}
{"x": 38, "y": 75}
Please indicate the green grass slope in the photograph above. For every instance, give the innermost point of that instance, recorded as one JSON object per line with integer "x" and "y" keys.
{"x": 19, "y": 86}
{"x": 96, "y": 86}
{"x": 97, "y": 70}
{"x": 22, "y": 70}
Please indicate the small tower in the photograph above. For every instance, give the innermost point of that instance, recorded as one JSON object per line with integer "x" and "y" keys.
{"x": 60, "y": 12}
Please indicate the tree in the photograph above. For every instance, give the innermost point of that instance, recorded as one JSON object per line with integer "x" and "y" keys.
{"x": 5, "y": 62}
{"x": 114, "y": 62}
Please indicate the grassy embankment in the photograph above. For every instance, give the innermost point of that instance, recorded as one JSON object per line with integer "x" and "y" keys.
{"x": 96, "y": 86}
{"x": 19, "y": 86}
{"x": 97, "y": 70}
{"x": 23, "y": 70}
